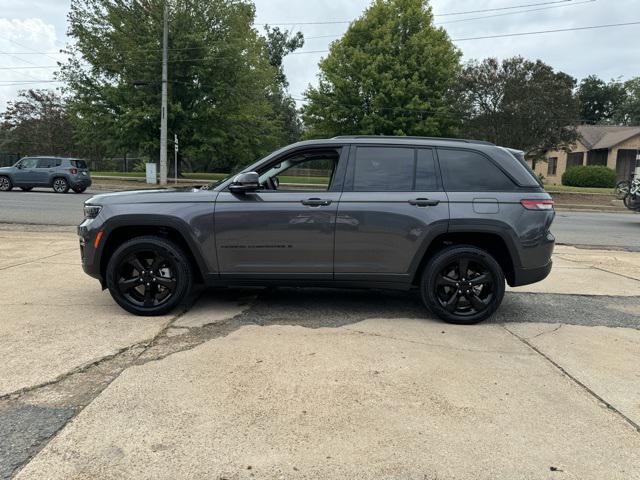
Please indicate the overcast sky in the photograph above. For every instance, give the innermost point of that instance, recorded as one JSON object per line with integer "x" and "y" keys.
{"x": 40, "y": 25}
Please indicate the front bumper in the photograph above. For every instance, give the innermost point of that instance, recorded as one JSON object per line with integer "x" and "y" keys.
{"x": 89, "y": 254}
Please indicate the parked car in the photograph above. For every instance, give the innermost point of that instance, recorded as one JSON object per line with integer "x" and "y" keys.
{"x": 61, "y": 174}
{"x": 452, "y": 219}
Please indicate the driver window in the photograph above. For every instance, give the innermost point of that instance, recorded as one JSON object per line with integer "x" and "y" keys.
{"x": 29, "y": 163}
{"x": 310, "y": 172}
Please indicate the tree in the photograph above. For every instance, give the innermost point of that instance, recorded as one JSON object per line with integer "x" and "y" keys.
{"x": 220, "y": 80}
{"x": 518, "y": 103}
{"x": 628, "y": 113}
{"x": 391, "y": 73}
{"x": 599, "y": 101}
{"x": 37, "y": 124}
{"x": 279, "y": 45}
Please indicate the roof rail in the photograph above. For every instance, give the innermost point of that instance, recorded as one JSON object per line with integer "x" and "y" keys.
{"x": 461, "y": 140}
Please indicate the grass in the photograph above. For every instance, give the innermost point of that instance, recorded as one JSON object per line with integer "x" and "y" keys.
{"x": 565, "y": 189}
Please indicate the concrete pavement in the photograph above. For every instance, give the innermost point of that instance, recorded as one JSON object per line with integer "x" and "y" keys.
{"x": 316, "y": 383}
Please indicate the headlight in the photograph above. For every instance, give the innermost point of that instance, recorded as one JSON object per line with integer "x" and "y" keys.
{"x": 91, "y": 211}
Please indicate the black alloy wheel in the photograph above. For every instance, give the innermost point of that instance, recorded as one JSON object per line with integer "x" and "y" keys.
{"x": 60, "y": 185}
{"x": 149, "y": 276}
{"x": 463, "y": 285}
{"x": 5, "y": 184}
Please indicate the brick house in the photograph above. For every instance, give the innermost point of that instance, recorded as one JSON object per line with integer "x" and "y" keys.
{"x": 611, "y": 146}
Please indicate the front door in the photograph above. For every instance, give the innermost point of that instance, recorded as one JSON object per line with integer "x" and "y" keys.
{"x": 286, "y": 229}
{"x": 392, "y": 206}
{"x": 26, "y": 174}
{"x": 625, "y": 163}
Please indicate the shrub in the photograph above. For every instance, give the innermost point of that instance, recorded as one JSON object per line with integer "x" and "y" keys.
{"x": 591, "y": 176}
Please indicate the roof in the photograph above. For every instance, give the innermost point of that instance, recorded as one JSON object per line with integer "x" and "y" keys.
{"x": 605, "y": 136}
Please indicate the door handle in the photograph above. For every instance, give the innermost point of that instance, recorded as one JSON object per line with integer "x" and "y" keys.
{"x": 424, "y": 202}
{"x": 316, "y": 202}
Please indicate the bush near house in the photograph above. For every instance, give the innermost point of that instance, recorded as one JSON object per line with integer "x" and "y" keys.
{"x": 589, "y": 176}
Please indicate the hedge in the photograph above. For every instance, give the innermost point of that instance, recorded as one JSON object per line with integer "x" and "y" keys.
{"x": 590, "y": 176}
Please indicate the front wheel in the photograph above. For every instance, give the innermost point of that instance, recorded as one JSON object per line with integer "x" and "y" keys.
{"x": 463, "y": 285}
{"x": 5, "y": 184}
{"x": 622, "y": 189}
{"x": 60, "y": 185}
{"x": 149, "y": 276}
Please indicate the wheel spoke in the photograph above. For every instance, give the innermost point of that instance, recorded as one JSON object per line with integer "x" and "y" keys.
{"x": 157, "y": 261}
{"x": 443, "y": 280}
{"x": 463, "y": 267}
{"x": 137, "y": 264}
{"x": 451, "y": 304}
{"x": 481, "y": 280}
{"x": 148, "y": 296}
{"x": 168, "y": 283}
{"x": 126, "y": 285}
{"x": 477, "y": 303}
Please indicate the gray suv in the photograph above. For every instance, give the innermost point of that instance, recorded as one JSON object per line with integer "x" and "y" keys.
{"x": 452, "y": 219}
{"x": 61, "y": 174}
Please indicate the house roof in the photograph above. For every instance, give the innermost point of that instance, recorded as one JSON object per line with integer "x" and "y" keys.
{"x": 605, "y": 136}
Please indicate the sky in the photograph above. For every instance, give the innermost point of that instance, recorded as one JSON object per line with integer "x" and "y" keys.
{"x": 29, "y": 26}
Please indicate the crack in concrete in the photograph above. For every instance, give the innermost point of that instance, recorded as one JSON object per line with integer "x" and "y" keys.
{"x": 38, "y": 259}
{"x": 575, "y": 380}
{"x": 548, "y": 331}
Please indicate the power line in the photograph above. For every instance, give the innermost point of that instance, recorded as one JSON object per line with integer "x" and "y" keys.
{"x": 448, "y": 14}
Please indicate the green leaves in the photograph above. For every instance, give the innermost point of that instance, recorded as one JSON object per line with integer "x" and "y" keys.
{"x": 389, "y": 74}
{"x": 222, "y": 80}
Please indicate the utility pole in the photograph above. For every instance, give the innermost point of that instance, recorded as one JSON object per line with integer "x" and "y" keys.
{"x": 175, "y": 156}
{"x": 165, "y": 81}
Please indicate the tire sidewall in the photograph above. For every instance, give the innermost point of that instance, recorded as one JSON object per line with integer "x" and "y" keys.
{"x": 66, "y": 183}
{"x": 184, "y": 274}
{"x": 439, "y": 261}
{"x": 10, "y": 183}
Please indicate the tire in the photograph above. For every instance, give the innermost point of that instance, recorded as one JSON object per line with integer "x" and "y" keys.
{"x": 161, "y": 280}
{"x": 60, "y": 185}
{"x": 473, "y": 301}
{"x": 5, "y": 184}
{"x": 622, "y": 189}
{"x": 26, "y": 189}
{"x": 80, "y": 189}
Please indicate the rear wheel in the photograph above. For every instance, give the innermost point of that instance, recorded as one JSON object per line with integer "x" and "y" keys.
{"x": 26, "y": 189}
{"x": 463, "y": 285}
{"x": 79, "y": 189}
{"x": 622, "y": 189}
{"x": 60, "y": 185}
{"x": 149, "y": 276}
{"x": 5, "y": 184}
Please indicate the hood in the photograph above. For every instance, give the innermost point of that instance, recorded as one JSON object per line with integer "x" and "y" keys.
{"x": 6, "y": 169}
{"x": 164, "y": 195}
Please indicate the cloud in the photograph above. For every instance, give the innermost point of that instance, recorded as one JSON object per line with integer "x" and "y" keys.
{"x": 18, "y": 37}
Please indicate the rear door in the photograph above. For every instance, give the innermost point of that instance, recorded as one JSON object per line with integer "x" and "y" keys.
{"x": 393, "y": 204}
{"x": 44, "y": 168}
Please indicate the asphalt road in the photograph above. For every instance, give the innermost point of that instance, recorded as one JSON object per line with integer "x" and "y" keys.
{"x": 44, "y": 207}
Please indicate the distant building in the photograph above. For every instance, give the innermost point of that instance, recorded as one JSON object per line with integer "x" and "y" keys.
{"x": 614, "y": 147}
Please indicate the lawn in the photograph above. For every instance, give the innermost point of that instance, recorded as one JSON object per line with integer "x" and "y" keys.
{"x": 565, "y": 189}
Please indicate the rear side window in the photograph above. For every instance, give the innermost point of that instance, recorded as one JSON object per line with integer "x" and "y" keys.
{"x": 384, "y": 169}
{"x": 79, "y": 163}
{"x": 466, "y": 171}
{"x": 46, "y": 163}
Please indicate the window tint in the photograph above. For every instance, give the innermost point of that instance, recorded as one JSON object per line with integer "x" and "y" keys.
{"x": 79, "y": 163}
{"x": 379, "y": 169}
{"x": 46, "y": 163}
{"x": 466, "y": 171}
{"x": 426, "y": 176}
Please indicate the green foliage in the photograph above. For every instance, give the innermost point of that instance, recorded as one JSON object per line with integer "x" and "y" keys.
{"x": 37, "y": 124}
{"x": 628, "y": 113}
{"x": 391, "y": 73}
{"x": 221, "y": 81}
{"x": 518, "y": 103}
{"x": 589, "y": 176}
{"x": 600, "y": 102}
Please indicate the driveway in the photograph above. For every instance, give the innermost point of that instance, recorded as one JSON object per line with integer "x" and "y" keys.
{"x": 316, "y": 383}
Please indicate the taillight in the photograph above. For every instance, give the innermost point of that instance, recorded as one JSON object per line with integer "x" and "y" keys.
{"x": 73, "y": 171}
{"x": 537, "y": 204}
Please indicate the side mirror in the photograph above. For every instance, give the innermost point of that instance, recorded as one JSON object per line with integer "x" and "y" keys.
{"x": 245, "y": 182}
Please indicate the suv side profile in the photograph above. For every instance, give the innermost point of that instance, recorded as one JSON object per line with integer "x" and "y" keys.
{"x": 453, "y": 219}
{"x": 61, "y": 174}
